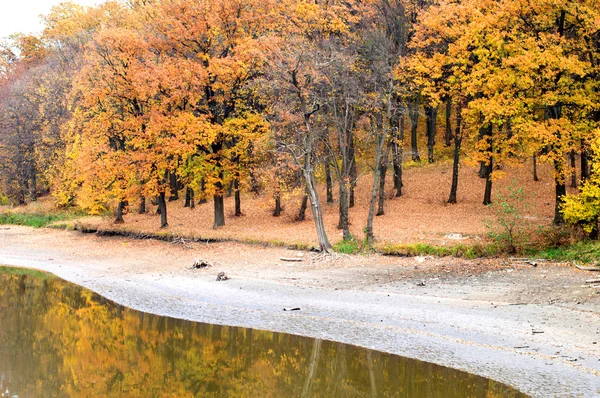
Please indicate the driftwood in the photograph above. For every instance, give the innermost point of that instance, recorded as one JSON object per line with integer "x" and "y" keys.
{"x": 292, "y": 309}
{"x": 584, "y": 268}
{"x": 291, "y": 259}
{"x": 592, "y": 281}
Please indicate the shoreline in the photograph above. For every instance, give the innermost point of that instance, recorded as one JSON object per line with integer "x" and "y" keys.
{"x": 480, "y": 322}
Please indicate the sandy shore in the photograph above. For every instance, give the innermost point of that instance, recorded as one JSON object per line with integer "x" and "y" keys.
{"x": 534, "y": 328}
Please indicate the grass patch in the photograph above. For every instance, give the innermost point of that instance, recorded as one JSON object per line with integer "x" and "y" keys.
{"x": 583, "y": 251}
{"x": 4, "y": 270}
{"x": 36, "y": 220}
{"x": 425, "y": 249}
{"x": 350, "y": 246}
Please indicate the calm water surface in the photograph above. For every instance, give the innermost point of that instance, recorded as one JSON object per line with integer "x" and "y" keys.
{"x": 58, "y": 339}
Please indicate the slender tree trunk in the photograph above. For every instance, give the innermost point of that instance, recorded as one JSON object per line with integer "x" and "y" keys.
{"x": 278, "y": 209}
{"x": 238, "y": 200}
{"x": 230, "y": 189}
{"x": 162, "y": 207}
{"x": 573, "y": 169}
{"x": 560, "y": 191}
{"x": 431, "y": 115}
{"x": 187, "y": 197}
{"x": 397, "y": 155}
{"x": 456, "y": 157}
{"x": 317, "y": 212}
{"x": 174, "y": 185}
{"x": 192, "y": 198}
{"x": 382, "y": 173}
{"x": 119, "y": 215}
{"x": 414, "y": 120}
{"x": 448, "y": 136}
{"x": 328, "y": 181}
{"x": 369, "y": 229}
{"x": 142, "y": 208}
{"x": 485, "y": 133}
{"x": 353, "y": 169}
{"x": 303, "y": 206}
{"x": 487, "y": 196}
{"x": 535, "y": 173}
{"x": 585, "y": 168}
{"x": 344, "y": 223}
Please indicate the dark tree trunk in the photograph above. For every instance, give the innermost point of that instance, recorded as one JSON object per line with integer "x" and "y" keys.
{"x": 32, "y": 182}
{"x": 278, "y": 209}
{"x": 573, "y": 169}
{"x": 188, "y": 198}
{"x": 119, "y": 216}
{"x": 238, "y": 199}
{"x": 162, "y": 207}
{"x": 219, "y": 207}
{"x": 456, "y": 157}
{"x": 448, "y": 135}
{"x": 353, "y": 169}
{"x": 382, "y": 173}
{"x": 230, "y": 189}
{"x": 560, "y": 191}
{"x": 535, "y": 173}
{"x": 585, "y": 167}
{"x": 414, "y": 121}
{"x": 174, "y": 186}
{"x": 142, "y": 208}
{"x": 594, "y": 232}
{"x": 344, "y": 222}
{"x": 302, "y": 211}
{"x": 487, "y": 196}
{"x": 370, "y": 236}
{"x": 431, "y": 115}
{"x": 397, "y": 153}
{"x": 328, "y": 181}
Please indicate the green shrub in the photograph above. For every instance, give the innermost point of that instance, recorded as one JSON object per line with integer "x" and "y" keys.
{"x": 348, "y": 246}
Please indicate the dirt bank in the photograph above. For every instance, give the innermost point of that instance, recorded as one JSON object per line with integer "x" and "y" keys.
{"x": 535, "y": 328}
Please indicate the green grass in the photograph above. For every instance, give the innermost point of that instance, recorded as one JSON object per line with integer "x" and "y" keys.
{"x": 424, "y": 249}
{"x": 4, "y": 270}
{"x": 347, "y": 246}
{"x": 582, "y": 251}
{"x": 36, "y": 220}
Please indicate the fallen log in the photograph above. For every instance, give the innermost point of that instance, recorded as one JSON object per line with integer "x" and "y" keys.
{"x": 584, "y": 268}
{"x": 291, "y": 259}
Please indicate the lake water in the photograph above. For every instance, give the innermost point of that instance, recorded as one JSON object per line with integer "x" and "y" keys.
{"x": 58, "y": 339}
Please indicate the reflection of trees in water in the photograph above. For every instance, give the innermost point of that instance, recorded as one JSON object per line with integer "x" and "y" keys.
{"x": 59, "y": 339}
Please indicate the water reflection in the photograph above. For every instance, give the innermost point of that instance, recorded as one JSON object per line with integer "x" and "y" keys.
{"x": 57, "y": 339}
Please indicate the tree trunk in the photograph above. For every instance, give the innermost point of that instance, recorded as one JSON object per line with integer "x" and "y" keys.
{"x": 414, "y": 120}
{"x": 142, "y": 208}
{"x": 448, "y": 136}
{"x": 119, "y": 216}
{"x": 369, "y": 229}
{"x": 535, "y": 173}
{"x": 230, "y": 189}
{"x": 573, "y": 169}
{"x": 431, "y": 115}
{"x": 219, "y": 207}
{"x": 187, "y": 197}
{"x": 192, "y": 198}
{"x": 353, "y": 169}
{"x": 162, "y": 207}
{"x": 585, "y": 167}
{"x": 344, "y": 223}
{"x": 382, "y": 174}
{"x": 302, "y": 211}
{"x": 278, "y": 209}
{"x": 238, "y": 200}
{"x": 456, "y": 157}
{"x": 560, "y": 191}
{"x": 317, "y": 212}
{"x": 254, "y": 182}
{"x": 174, "y": 186}
{"x": 328, "y": 181}
{"x": 487, "y": 196}
{"x": 397, "y": 154}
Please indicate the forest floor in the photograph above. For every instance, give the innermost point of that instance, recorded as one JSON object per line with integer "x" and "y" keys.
{"x": 421, "y": 215}
{"x": 532, "y": 326}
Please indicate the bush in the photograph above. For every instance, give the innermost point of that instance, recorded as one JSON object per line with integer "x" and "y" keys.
{"x": 507, "y": 228}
